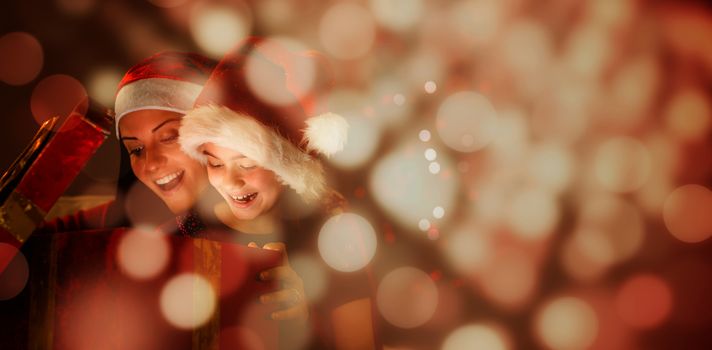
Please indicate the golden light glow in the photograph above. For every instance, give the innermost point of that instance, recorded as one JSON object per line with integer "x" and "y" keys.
{"x": 347, "y": 242}
{"x": 102, "y": 85}
{"x": 398, "y": 15}
{"x": 566, "y": 323}
{"x": 622, "y": 164}
{"x": 477, "y": 336}
{"x": 187, "y": 301}
{"x": 56, "y": 95}
{"x": 407, "y": 297}
{"x": 533, "y": 213}
{"x": 686, "y": 213}
{"x": 347, "y": 30}
{"x": 217, "y": 29}
{"x": 687, "y": 115}
{"x": 143, "y": 253}
{"x": 466, "y": 121}
{"x": 644, "y": 301}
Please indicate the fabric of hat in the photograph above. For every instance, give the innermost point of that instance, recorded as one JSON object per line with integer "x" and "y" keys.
{"x": 282, "y": 139}
{"x": 169, "y": 81}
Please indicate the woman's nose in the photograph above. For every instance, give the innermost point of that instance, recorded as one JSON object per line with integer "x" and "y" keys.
{"x": 154, "y": 160}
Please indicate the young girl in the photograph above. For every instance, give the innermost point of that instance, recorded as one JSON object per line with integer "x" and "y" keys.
{"x": 255, "y": 153}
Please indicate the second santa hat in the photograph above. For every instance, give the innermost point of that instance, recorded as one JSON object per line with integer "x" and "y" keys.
{"x": 282, "y": 139}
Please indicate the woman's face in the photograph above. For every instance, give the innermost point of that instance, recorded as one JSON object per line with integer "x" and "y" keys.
{"x": 249, "y": 189}
{"x": 151, "y": 138}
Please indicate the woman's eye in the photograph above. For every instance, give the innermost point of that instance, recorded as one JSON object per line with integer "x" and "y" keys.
{"x": 248, "y": 167}
{"x": 135, "y": 151}
{"x": 214, "y": 165}
{"x": 170, "y": 138}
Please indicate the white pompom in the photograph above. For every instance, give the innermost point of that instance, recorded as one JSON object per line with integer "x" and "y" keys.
{"x": 326, "y": 133}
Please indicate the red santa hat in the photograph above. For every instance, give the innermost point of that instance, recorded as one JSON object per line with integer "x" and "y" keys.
{"x": 281, "y": 138}
{"x": 169, "y": 81}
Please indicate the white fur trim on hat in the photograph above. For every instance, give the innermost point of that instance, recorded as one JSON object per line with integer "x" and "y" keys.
{"x": 226, "y": 128}
{"x": 326, "y": 133}
{"x": 155, "y": 93}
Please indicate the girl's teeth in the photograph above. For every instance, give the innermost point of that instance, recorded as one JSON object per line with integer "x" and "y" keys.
{"x": 168, "y": 178}
{"x": 244, "y": 198}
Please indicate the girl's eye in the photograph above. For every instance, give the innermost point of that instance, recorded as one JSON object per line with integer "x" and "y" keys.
{"x": 170, "y": 138}
{"x": 248, "y": 167}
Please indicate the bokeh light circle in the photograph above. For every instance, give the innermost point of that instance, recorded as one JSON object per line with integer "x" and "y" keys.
{"x": 533, "y": 213}
{"x": 407, "y": 297}
{"x": 687, "y": 213}
{"x": 347, "y": 30}
{"x": 644, "y": 301}
{"x": 430, "y": 87}
{"x": 466, "y": 121}
{"x": 102, "y": 85}
{"x": 216, "y": 29}
{"x": 566, "y": 323}
{"x": 15, "y": 272}
{"x": 364, "y": 137}
{"x": 347, "y": 242}
{"x": 622, "y": 164}
{"x": 477, "y": 336}
{"x": 187, "y": 301}
{"x": 313, "y": 273}
{"x": 399, "y": 15}
{"x": 688, "y": 115}
{"x": 56, "y": 95}
{"x": 467, "y": 249}
{"x": 424, "y": 135}
{"x": 21, "y": 58}
{"x": 143, "y": 253}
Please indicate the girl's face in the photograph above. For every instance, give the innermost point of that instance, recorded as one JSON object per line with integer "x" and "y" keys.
{"x": 249, "y": 189}
{"x": 151, "y": 138}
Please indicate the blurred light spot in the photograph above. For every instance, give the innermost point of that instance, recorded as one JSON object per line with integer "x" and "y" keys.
{"x": 347, "y": 242}
{"x": 268, "y": 83}
{"x": 76, "y": 7}
{"x": 644, "y": 301}
{"x": 564, "y": 114}
{"x": 21, "y": 58}
{"x": 275, "y": 15}
{"x": 402, "y": 289}
{"x": 687, "y": 115}
{"x": 217, "y": 29}
{"x": 552, "y": 166}
{"x": 434, "y": 167}
{"x": 622, "y": 164}
{"x": 566, "y": 323}
{"x": 430, "y": 154}
{"x": 402, "y": 185}
{"x": 510, "y": 279}
{"x": 14, "y": 273}
{"x": 399, "y": 15}
{"x": 143, "y": 253}
{"x": 438, "y": 212}
{"x": 102, "y": 85}
{"x": 433, "y": 233}
{"x": 430, "y": 87}
{"x": 587, "y": 254}
{"x": 610, "y": 12}
{"x": 477, "y": 336}
{"x": 399, "y": 99}
{"x": 634, "y": 89}
{"x": 56, "y": 95}
{"x": 364, "y": 137}
{"x": 424, "y": 224}
{"x": 533, "y": 213}
{"x": 187, "y": 301}
{"x": 588, "y": 51}
{"x": 467, "y": 249}
{"x": 424, "y": 65}
{"x": 312, "y": 273}
{"x": 466, "y": 121}
{"x": 347, "y": 31}
{"x": 618, "y": 221}
{"x": 424, "y": 135}
{"x": 687, "y": 213}
{"x": 168, "y": 3}
{"x": 475, "y": 22}
{"x": 532, "y": 38}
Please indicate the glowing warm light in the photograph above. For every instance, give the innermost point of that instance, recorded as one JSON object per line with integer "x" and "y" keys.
{"x": 510, "y": 279}
{"x": 402, "y": 289}
{"x": 434, "y": 167}
{"x": 430, "y": 154}
{"x": 312, "y": 273}
{"x": 168, "y": 3}
{"x": 424, "y": 224}
{"x": 564, "y": 114}
{"x": 687, "y": 213}
{"x": 438, "y": 212}
{"x": 610, "y": 12}
{"x": 587, "y": 254}
{"x": 270, "y": 84}
{"x": 533, "y": 39}
{"x": 76, "y": 7}
{"x": 424, "y": 65}
{"x": 217, "y": 29}
{"x": 424, "y": 135}
{"x": 533, "y": 213}
{"x": 21, "y": 58}
{"x": 364, "y": 137}
{"x": 688, "y": 115}
{"x": 644, "y": 301}
{"x": 347, "y": 242}
{"x": 512, "y": 138}
{"x": 389, "y": 103}
{"x": 102, "y": 85}
{"x": 399, "y": 15}
{"x": 588, "y": 51}
{"x": 477, "y": 336}
{"x": 347, "y": 31}
{"x": 399, "y": 99}
{"x": 15, "y": 272}
{"x": 466, "y": 121}
{"x": 430, "y": 87}
{"x": 619, "y": 222}
{"x": 467, "y": 249}
{"x": 566, "y": 323}
{"x": 275, "y": 15}
{"x": 143, "y": 254}
{"x": 552, "y": 166}
{"x": 634, "y": 89}
{"x": 56, "y": 95}
{"x": 622, "y": 164}
{"x": 187, "y": 301}
{"x": 402, "y": 185}
{"x": 475, "y": 22}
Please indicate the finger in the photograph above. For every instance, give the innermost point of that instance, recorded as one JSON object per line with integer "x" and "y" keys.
{"x": 289, "y": 296}
{"x": 281, "y": 273}
{"x": 279, "y": 247}
{"x": 252, "y": 245}
{"x": 299, "y": 312}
